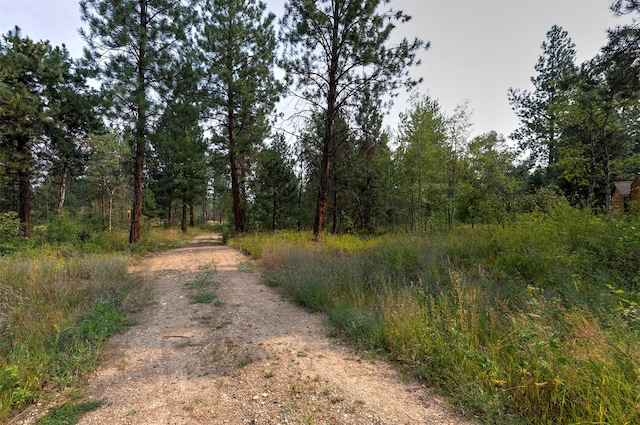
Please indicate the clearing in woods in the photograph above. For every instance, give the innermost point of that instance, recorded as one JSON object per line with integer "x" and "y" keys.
{"x": 249, "y": 356}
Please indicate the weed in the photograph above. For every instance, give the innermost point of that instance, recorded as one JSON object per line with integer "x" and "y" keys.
{"x": 532, "y": 322}
{"x": 203, "y": 298}
{"x": 246, "y": 267}
{"x": 245, "y": 361}
{"x": 200, "y": 286}
{"x": 68, "y": 413}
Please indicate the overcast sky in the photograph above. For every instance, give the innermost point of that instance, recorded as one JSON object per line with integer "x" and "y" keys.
{"x": 479, "y": 48}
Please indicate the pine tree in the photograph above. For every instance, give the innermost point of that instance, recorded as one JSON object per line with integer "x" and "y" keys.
{"x": 276, "y": 187}
{"x": 132, "y": 42}
{"x": 45, "y": 110}
{"x": 336, "y": 49}
{"x": 540, "y": 110}
{"x": 238, "y": 44}
{"x": 181, "y": 171}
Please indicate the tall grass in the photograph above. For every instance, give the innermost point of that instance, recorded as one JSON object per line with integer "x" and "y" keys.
{"x": 533, "y": 323}
{"x": 54, "y": 312}
{"x": 62, "y": 294}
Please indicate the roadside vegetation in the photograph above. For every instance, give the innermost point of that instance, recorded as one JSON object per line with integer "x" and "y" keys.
{"x": 534, "y": 322}
{"x": 63, "y": 293}
{"x": 510, "y": 286}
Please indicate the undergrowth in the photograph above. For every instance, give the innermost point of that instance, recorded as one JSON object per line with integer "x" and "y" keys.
{"x": 63, "y": 293}
{"x": 534, "y": 322}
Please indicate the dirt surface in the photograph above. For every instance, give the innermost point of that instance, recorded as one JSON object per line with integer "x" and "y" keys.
{"x": 251, "y": 358}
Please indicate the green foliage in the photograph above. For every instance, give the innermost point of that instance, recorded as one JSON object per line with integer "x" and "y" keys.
{"x": 68, "y": 413}
{"x": 347, "y": 43}
{"x": 276, "y": 188}
{"x": 201, "y": 287}
{"x": 9, "y": 232}
{"x": 532, "y": 322}
{"x": 55, "y": 313}
{"x": 238, "y": 44}
{"x": 63, "y": 228}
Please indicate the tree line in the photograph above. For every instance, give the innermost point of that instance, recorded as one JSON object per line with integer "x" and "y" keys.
{"x": 173, "y": 107}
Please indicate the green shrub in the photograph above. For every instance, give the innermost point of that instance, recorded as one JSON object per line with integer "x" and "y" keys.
{"x": 56, "y": 313}
{"x": 533, "y": 322}
{"x": 9, "y": 232}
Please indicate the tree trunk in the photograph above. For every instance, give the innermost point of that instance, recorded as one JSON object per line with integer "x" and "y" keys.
{"x": 141, "y": 123}
{"x": 592, "y": 172}
{"x": 183, "y": 222}
{"x": 238, "y": 208}
{"x": 327, "y": 140}
{"x": 24, "y": 188}
{"x": 420, "y": 202}
{"x": 607, "y": 170}
{"x": 238, "y": 214}
{"x": 170, "y": 213}
{"x": 63, "y": 188}
{"x": 334, "y": 227}
{"x": 321, "y": 204}
{"x": 102, "y": 202}
{"x": 25, "y": 204}
{"x": 273, "y": 214}
{"x": 112, "y": 195}
{"x": 192, "y": 221}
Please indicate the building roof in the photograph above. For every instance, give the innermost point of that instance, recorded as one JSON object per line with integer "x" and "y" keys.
{"x": 623, "y": 187}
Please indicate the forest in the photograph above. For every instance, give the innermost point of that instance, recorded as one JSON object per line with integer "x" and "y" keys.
{"x": 169, "y": 119}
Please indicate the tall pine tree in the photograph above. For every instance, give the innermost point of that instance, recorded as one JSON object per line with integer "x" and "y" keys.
{"x": 44, "y": 110}
{"x": 238, "y": 43}
{"x": 132, "y": 42}
{"x": 540, "y": 110}
{"x": 336, "y": 49}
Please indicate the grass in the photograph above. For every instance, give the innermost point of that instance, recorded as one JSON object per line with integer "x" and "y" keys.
{"x": 202, "y": 285}
{"x": 63, "y": 293}
{"x": 68, "y": 413}
{"x": 532, "y": 323}
{"x": 56, "y": 314}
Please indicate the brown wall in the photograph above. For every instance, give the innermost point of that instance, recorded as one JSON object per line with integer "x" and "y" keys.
{"x": 635, "y": 190}
{"x": 617, "y": 204}
{"x": 634, "y": 197}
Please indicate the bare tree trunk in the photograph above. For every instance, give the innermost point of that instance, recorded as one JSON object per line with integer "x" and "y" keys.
{"x": 183, "y": 222}
{"x": 141, "y": 122}
{"x": 192, "y": 221}
{"x": 63, "y": 188}
{"x": 24, "y": 188}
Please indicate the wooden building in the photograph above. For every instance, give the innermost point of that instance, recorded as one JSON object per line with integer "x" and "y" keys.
{"x": 625, "y": 197}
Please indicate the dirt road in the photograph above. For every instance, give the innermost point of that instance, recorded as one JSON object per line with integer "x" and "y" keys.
{"x": 251, "y": 358}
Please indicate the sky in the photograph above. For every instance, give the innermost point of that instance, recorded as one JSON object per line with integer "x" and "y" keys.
{"x": 479, "y": 48}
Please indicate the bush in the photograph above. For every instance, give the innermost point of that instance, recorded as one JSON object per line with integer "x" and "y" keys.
{"x": 533, "y": 322}
{"x": 9, "y": 232}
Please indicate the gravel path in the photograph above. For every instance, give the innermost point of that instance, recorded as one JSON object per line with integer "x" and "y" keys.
{"x": 251, "y": 358}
